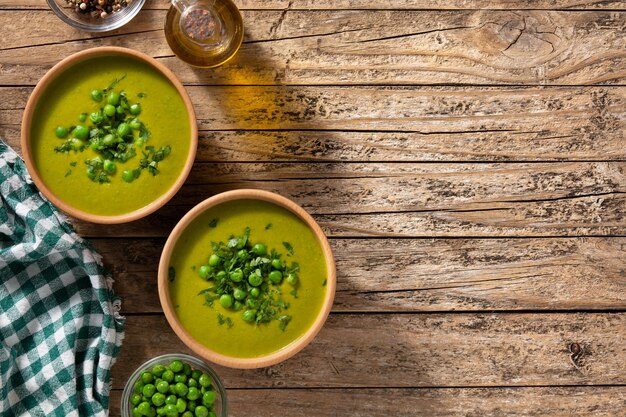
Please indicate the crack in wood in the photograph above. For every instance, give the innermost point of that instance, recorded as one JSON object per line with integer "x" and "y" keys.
{"x": 406, "y": 35}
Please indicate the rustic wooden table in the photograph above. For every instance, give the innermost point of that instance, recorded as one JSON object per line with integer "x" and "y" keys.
{"x": 466, "y": 158}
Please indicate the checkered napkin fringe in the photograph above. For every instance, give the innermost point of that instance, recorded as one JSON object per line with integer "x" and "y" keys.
{"x": 60, "y": 328}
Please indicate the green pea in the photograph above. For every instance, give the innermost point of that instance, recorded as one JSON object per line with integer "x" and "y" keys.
{"x": 144, "y": 408}
{"x": 292, "y": 279}
{"x": 109, "y": 168}
{"x": 249, "y": 316}
{"x": 255, "y": 292}
{"x": 119, "y": 110}
{"x": 214, "y": 260}
{"x": 172, "y": 389}
{"x": 191, "y": 406}
{"x": 191, "y": 382}
{"x": 158, "y": 399}
{"x": 259, "y": 249}
{"x": 148, "y": 390}
{"x": 181, "y": 389}
{"x": 202, "y": 411}
{"x": 208, "y": 398}
{"x": 114, "y": 98}
{"x": 162, "y": 386}
{"x": 204, "y": 271}
{"x": 212, "y": 414}
{"x": 135, "y": 399}
{"x": 77, "y": 144}
{"x": 242, "y": 254}
{"x": 250, "y": 303}
{"x": 109, "y": 110}
{"x": 180, "y": 378}
{"x": 82, "y": 117}
{"x": 138, "y": 387}
{"x": 176, "y": 366}
{"x": 96, "y": 95}
{"x": 136, "y": 412}
{"x": 196, "y": 374}
{"x": 128, "y": 176}
{"x": 193, "y": 393}
{"x": 277, "y": 264}
{"x": 135, "y": 124}
{"x": 81, "y": 132}
{"x": 181, "y": 405}
{"x": 108, "y": 140}
{"x": 255, "y": 280}
{"x": 168, "y": 375}
{"x": 146, "y": 377}
{"x": 96, "y": 117}
{"x": 187, "y": 414}
{"x": 160, "y": 411}
{"x": 205, "y": 380}
{"x": 61, "y": 132}
{"x": 221, "y": 275}
{"x": 239, "y": 294}
{"x": 275, "y": 277}
{"x": 123, "y": 129}
{"x": 237, "y": 305}
{"x": 170, "y": 410}
{"x": 158, "y": 370}
{"x": 135, "y": 109}
{"x": 171, "y": 399}
{"x": 226, "y": 301}
{"x": 236, "y": 275}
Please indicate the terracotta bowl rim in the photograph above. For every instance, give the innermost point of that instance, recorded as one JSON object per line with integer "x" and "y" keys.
{"x": 283, "y": 353}
{"x": 51, "y": 75}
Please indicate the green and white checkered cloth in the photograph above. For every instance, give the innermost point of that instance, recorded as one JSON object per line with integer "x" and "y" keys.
{"x": 60, "y": 330}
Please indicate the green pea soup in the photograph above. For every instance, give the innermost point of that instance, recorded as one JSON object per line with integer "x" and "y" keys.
{"x": 163, "y": 112}
{"x": 193, "y": 248}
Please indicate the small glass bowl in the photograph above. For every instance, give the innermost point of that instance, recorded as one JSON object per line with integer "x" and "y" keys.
{"x": 221, "y": 402}
{"x": 67, "y": 13}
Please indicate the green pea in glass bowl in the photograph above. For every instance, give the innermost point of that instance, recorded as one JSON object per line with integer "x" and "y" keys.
{"x": 174, "y": 384}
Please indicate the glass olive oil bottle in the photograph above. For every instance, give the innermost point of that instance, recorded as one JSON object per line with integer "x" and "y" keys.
{"x": 204, "y": 33}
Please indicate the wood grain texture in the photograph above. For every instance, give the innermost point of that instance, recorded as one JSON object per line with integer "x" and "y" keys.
{"x": 359, "y": 47}
{"x": 412, "y": 402}
{"x": 424, "y": 350}
{"x": 428, "y": 275}
{"x": 395, "y": 123}
{"x": 418, "y": 200}
{"x": 380, "y": 4}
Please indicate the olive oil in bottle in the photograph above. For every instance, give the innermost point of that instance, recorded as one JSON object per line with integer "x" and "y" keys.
{"x": 204, "y": 33}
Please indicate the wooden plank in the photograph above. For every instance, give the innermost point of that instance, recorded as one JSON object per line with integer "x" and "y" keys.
{"x": 380, "y": 4}
{"x": 428, "y": 275}
{"x": 337, "y": 146}
{"x": 394, "y": 123}
{"x": 581, "y": 111}
{"x": 584, "y": 216}
{"x": 359, "y": 47}
{"x": 424, "y": 350}
{"x": 412, "y": 402}
{"x": 418, "y": 200}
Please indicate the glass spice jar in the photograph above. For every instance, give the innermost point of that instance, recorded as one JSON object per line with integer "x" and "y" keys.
{"x": 204, "y": 33}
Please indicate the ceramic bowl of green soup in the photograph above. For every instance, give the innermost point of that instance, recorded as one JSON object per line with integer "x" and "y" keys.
{"x": 109, "y": 135}
{"x": 247, "y": 279}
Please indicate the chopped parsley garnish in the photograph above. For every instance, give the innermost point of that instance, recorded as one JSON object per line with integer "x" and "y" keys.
{"x": 289, "y": 248}
{"x": 115, "y": 134}
{"x": 247, "y": 277}
{"x": 213, "y": 223}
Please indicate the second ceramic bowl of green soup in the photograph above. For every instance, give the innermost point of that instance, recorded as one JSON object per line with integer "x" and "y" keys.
{"x": 247, "y": 279}
{"x": 109, "y": 135}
